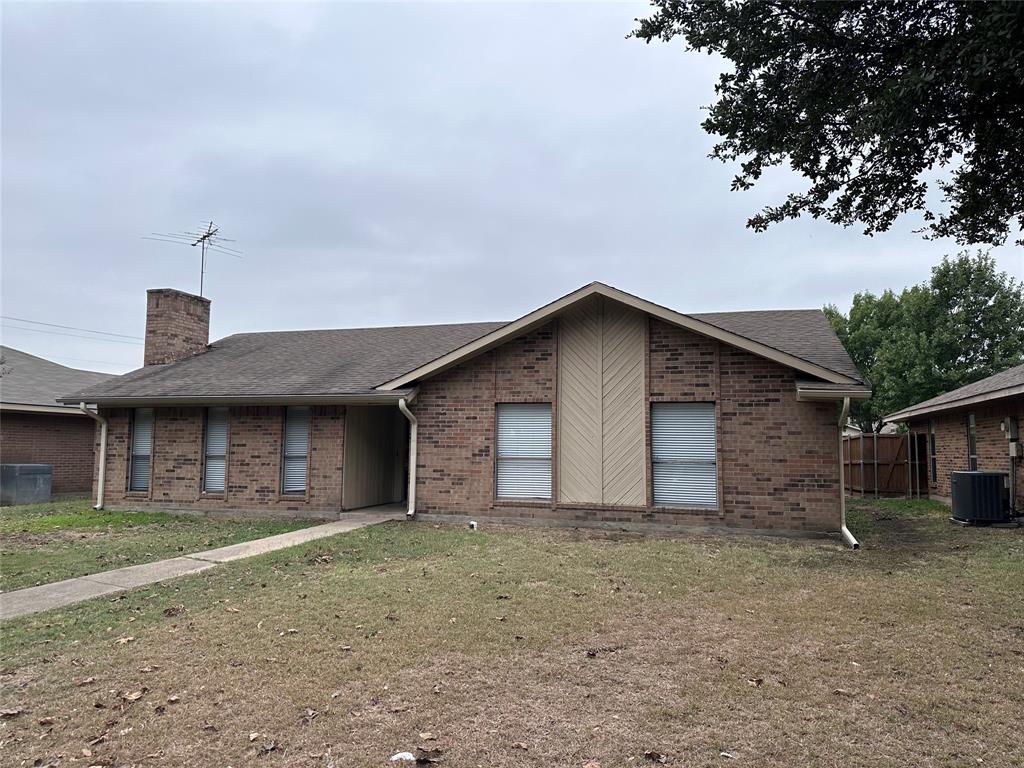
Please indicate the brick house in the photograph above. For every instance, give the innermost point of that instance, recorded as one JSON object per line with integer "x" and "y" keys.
{"x": 36, "y": 429}
{"x": 971, "y": 428}
{"x": 598, "y": 408}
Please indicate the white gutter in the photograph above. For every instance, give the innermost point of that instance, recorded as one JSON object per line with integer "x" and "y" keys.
{"x": 843, "y": 530}
{"x": 102, "y": 476}
{"x": 411, "y": 493}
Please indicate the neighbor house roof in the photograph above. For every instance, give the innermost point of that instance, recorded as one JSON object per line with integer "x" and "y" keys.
{"x": 1004, "y": 384}
{"x": 281, "y": 365}
{"x": 381, "y": 364}
{"x": 30, "y": 383}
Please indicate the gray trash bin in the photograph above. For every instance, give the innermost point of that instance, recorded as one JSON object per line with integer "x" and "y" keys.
{"x": 25, "y": 484}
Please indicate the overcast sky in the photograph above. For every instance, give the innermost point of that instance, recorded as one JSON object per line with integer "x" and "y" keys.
{"x": 382, "y": 165}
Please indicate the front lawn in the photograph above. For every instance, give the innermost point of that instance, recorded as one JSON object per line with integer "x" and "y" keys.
{"x": 515, "y": 647}
{"x": 40, "y": 543}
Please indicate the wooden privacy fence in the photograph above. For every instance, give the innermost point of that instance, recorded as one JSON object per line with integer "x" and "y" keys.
{"x": 886, "y": 465}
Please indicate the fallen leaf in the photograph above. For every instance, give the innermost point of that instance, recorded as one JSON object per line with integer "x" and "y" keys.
{"x": 47, "y": 720}
{"x": 174, "y": 610}
{"x": 655, "y": 757}
{"x": 133, "y": 695}
{"x": 520, "y": 745}
{"x": 173, "y": 699}
{"x": 842, "y": 692}
{"x": 288, "y": 632}
{"x": 124, "y": 640}
{"x": 266, "y": 749}
{"x": 86, "y": 752}
{"x": 232, "y": 609}
{"x": 592, "y": 764}
{"x": 309, "y": 716}
{"x": 85, "y": 681}
{"x": 254, "y": 735}
{"x": 209, "y": 727}
{"x": 756, "y": 682}
{"x": 427, "y": 736}
{"x": 503, "y": 597}
{"x": 149, "y": 668}
{"x": 728, "y": 755}
{"x": 7, "y": 714}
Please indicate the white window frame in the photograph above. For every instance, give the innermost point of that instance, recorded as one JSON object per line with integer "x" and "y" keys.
{"x": 534, "y": 453}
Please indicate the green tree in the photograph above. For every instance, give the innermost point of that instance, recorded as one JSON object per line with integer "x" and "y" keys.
{"x": 965, "y": 323}
{"x": 867, "y": 100}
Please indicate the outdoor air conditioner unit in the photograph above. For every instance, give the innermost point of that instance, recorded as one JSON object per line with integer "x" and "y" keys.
{"x": 980, "y": 498}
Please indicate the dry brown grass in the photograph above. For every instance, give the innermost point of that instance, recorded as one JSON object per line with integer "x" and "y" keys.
{"x": 522, "y": 648}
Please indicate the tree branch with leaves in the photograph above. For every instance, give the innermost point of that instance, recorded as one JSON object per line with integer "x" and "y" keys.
{"x": 871, "y": 102}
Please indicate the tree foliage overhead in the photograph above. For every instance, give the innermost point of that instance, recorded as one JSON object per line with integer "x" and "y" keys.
{"x": 964, "y": 324}
{"x": 869, "y": 101}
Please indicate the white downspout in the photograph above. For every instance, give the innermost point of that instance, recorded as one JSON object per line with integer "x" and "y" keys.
{"x": 411, "y": 493}
{"x": 843, "y": 530}
{"x": 102, "y": 476}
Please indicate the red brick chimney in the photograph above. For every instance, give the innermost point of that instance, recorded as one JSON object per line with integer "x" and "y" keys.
{"x": 177, "y": 325}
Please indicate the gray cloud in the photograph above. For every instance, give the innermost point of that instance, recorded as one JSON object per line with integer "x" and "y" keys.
{"x": 382, "y": 164}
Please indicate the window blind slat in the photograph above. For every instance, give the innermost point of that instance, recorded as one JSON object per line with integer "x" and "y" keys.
{"x": 142, "y": 450}
{"x": 296, "y": 448}
{"x": 524, "y": 450}
{"x": 683, "y": 455}
{"x": 215, "y": 464}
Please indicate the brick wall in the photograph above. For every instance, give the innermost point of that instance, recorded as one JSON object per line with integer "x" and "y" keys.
{"x": 777, "y": 458}
{"x": 778, "y": 462}
{"x": 951, "y": 443}
{"x": 177, "y": 325}
{"x": 456, "y": 412}
{"x": 65, "y": 442}
{"x": 253, "y": 462}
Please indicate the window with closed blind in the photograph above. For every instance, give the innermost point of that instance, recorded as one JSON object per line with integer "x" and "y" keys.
{"x": 524, "y": 451}
{"x": 972, "y": 442}
{"x": 141, "y": 459}
{"x": 931, "y": 452}
{"x": 683, "y": 456}
{"x": 295, "y": 460}
{"x": 216, "y": 450}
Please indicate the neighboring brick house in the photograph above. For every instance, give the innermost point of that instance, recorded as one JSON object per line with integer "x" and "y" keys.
{"x": 36, "y": 429}
{"x": 598, "y": 408}
{"x": 972, "y": 428}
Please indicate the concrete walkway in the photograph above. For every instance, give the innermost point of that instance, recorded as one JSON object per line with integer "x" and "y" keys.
{"x": 23, "y": 602}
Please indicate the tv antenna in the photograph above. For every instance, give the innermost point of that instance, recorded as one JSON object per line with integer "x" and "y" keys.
{"x": 207, "y": 237}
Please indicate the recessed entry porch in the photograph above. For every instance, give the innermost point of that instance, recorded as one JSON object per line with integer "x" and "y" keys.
{"x": 376, "y": 462}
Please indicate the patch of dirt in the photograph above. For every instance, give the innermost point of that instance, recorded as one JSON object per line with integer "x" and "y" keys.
{"x": 29, "y": 539}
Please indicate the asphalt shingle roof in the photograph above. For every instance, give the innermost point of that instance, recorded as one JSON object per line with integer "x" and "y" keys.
{"x": 31, "y": 380}
{"x": 293, "y": 363}
{"x": 803, "y": 333}
{"x": 356, "y": 361}
{"x": 1011, "y": 377}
